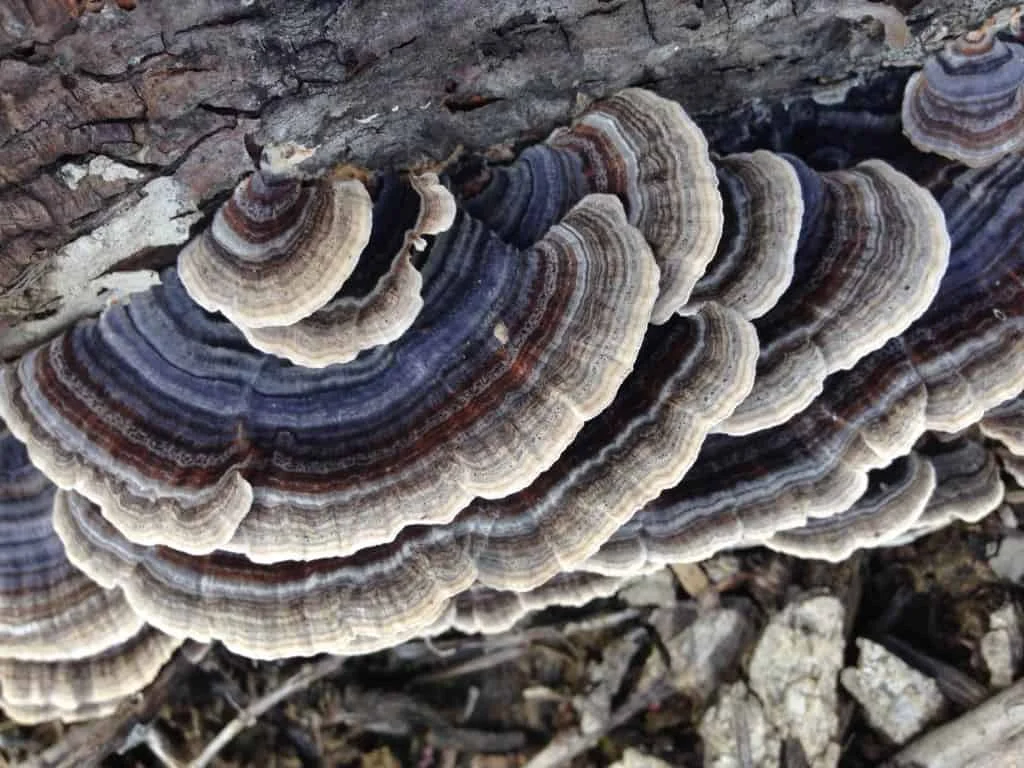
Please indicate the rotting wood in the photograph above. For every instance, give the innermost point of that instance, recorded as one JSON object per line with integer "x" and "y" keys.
{"x": 138, "y": 118}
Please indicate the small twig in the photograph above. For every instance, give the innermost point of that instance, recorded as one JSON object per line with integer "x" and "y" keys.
{"x": 570, "y": 744}
{"x": 398, "y": 714}
{"x": 248, "y": 716}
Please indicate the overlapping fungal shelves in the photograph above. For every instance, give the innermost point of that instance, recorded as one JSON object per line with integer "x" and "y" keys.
{"x": 366, "y": 407}
{"x": 69, "y": 648}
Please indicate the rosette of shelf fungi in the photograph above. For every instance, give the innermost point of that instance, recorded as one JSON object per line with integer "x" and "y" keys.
{"x": 963, "y": 357}
{"x": 280, "y": 247}
{"x": 69, "y": 649}
{"x": 873, "y": 249}
{"x": 967, "y": 102}
{"x": 382, "y": 297}
{"x": 185, "y": 436}
{"x": 639, "y": 146}
{"x": 763, "y": 210}
{"x": 692, "y": 371}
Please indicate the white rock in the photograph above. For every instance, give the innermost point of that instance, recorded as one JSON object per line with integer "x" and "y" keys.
{"x": 1008, "y": 562}
{"x": 658, "y": 588}
{"x": 1002, "y": 646}
{"x": 897, "y": 699}
{"x": 736, "y": 733}
{"x": 794, "y": 671}
{"x": 634, "y": 758}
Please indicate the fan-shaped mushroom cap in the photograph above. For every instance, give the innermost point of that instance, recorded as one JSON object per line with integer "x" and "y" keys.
{"x": 162, "y": 414}
{"x": 79, "y": 689}
{"x": 967, "y": 103}
{"x": 869, "y": 263}
{"x": 636, "y": 145}
{"x": 48, "y": 609}
{"x": 646, "y": 149}
{"x": 1005, "y": 423}
{"x": 694, "y": 370}
{"x": 895, "y": 500}
{"x": 960, "y": 359}
{"x": 372, "y": 308}
{"x": 968, "y": 484}
{"x": 764, "y": 209}
{"x": 279, "y": 249}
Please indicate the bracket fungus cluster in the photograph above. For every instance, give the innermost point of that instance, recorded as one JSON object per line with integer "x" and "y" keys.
{"x": 371, "y": 407}
{"x": 967, "y": 102}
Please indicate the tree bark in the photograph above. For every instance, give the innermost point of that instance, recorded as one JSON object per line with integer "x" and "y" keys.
{"x": 121, "y": 130}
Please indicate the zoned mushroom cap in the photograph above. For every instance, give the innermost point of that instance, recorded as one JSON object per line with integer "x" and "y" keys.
{"x": 695, "y": 369}
{"x": 372, "y": 308}
{"x": 967, "y": 102}
{"x": 165, "y": 417}
{"x": 872, "y": 254}
{"x": 278, "y": 249}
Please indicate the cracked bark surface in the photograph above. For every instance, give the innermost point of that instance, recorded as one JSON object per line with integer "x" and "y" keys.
{"x": 120, "y": 131}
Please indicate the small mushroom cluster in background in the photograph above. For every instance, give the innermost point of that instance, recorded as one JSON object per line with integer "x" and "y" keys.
{"x": 368, "y": 408}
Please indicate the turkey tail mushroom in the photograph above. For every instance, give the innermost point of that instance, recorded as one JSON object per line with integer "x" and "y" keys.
{"x": 185, "y": 436}
{"x": 69, "y": 649}
{"x": 280, "y": 248}
{"x": 372, "y": 307}
{"x": 967, "y": 103}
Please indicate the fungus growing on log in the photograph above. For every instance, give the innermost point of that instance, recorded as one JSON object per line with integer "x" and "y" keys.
{"x": 165, "y": 417}
{"x": 372, "y": 308}
{"x": 637, "y": 145}
{"x": 1005, "y": 423}
{"x": 763, "y": 212}
{"x": 69, "y": 649}
{"x": 968, "y": 485}
{"x": 48, "y": 609}
{"x": 960, "y": 359}
{"x": 896, "y": 498}
{"x": 475, "y": 417}
{"x": 84, "y": 688}
{"x": 696, "y": 369}
{"x": 967, "y": 102}
{"x": 872, "y": 251}
{"x": 280, "y": 248}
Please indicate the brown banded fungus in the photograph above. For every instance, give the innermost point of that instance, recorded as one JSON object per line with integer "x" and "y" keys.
{"x": 637, "y": 145}
{"x": 1005, "y": 423}
{"x": 81, "y": 689}
{"x": 957, "y": 361}
{"x": 895, "y": 500}
{"x": 381, "y": 299}
{"x": 763, "y": 211}
{"x": 968, "y": 484}
{"x": 967, "y": 103}
{"x": 280, "y": 248}
{"x": 873, "y": 248}
{"x": 476, "y": 419}
{"x": 185, "y": 436}
{"x": 695, "y": 370}
{"x": 69, "y": 648}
